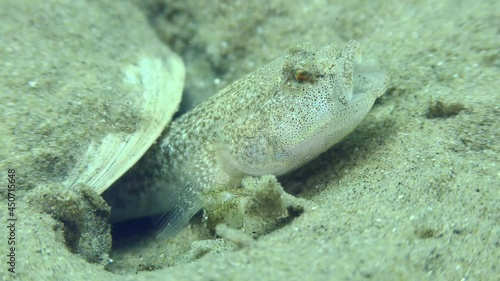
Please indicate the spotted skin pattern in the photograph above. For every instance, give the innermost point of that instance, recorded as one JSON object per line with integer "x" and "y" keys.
{"x": 271, "y": 121}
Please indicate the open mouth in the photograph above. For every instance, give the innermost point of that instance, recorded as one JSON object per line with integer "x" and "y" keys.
{"x": 368, "y": 79}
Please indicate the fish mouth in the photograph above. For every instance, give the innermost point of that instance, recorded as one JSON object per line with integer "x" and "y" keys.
{"x": 368, "y": 80}
{"x": 361, "y": 80}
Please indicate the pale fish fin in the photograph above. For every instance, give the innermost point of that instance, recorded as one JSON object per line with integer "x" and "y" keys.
{"x": 185, "y": 200}
{"x": 170, "y": 223}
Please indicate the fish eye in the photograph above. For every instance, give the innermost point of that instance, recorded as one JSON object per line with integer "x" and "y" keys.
{"x": 301, "y": 75}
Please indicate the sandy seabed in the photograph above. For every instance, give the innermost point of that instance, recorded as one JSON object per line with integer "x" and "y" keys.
{"x": 412, "y": 194}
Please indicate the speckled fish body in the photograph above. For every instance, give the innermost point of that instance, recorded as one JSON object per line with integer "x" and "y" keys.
{"x": 271, "y": 121}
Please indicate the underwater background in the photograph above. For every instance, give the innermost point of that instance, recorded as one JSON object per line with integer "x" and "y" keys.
{"x": 412, "y": 194}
